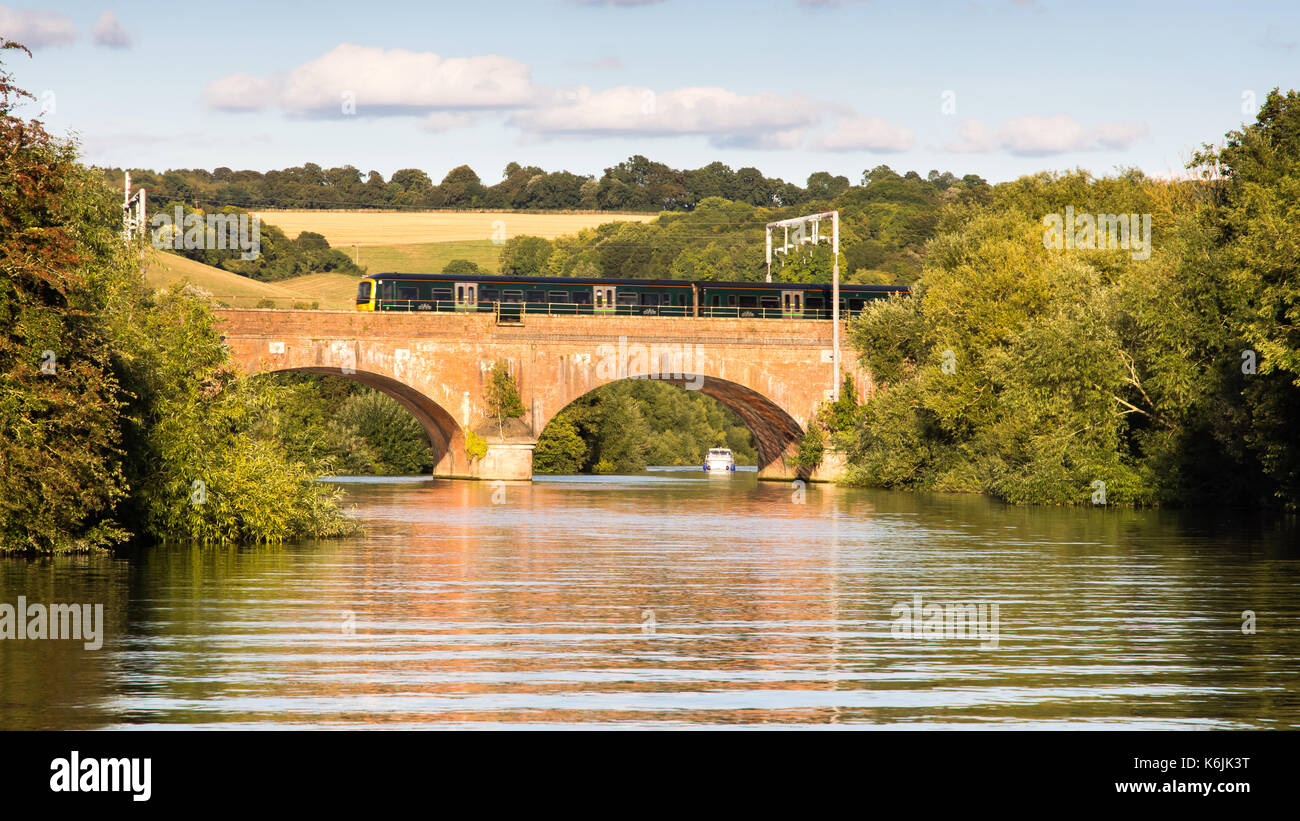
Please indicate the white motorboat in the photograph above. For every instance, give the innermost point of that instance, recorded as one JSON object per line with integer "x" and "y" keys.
{"x": 720, "y": 460}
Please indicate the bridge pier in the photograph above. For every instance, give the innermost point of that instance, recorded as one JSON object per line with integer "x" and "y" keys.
{"x": 506, "y": 460}
{"x": 833, "y": 467}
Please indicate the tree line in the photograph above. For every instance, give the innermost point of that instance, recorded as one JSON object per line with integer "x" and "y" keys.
{"x": 636, "y": 184}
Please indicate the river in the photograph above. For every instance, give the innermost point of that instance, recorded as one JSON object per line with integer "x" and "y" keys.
{"x": 675, "y": 598}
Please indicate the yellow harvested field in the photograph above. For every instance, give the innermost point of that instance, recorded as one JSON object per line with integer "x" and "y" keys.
{"x": 344, "y": 229}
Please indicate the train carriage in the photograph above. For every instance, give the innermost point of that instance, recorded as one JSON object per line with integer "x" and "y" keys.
{"x": 514, "y": 297}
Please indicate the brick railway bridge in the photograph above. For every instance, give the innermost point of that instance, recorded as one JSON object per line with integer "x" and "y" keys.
{"x": 772, "y": 373}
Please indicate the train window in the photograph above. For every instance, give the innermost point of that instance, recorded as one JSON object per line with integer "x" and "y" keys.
{"x": 408, "y": 292}
{"x": 512, "y": 296}
{"x": 857, "y": 304}
{"x": 557, "y": 296}
{"x": 770, "y": 302}
{"x": 749, "y": 302}
{"x": 536, "y": 296}
{"x": 442, "y": 294}
{"x": 626, "y": 298}
{"x": 815, "y": 303}
{"x": 649, "y": 299}
{"x": 581, "y": 298}
{"x": 489, "y": 294}
{"x": 716, "y": 301}
{"x": 386, "y": 290}
{"x": 363, "y": 291}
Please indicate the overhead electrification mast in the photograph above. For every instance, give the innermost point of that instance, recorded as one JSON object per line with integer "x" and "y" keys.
{"x": 807, "y": 230}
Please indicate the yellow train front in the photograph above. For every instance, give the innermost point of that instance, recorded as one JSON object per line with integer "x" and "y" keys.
{"x": 518, "y": 296}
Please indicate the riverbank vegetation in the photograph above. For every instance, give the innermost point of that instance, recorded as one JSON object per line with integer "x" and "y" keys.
{"x": 120, "y": 414}
{"x": 1072, "y": 376}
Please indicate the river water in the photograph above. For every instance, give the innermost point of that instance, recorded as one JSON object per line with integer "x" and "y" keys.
{"x": 675, "y": 598}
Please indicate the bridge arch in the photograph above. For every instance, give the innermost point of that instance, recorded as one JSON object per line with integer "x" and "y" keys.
{"x": 446, "y": 438}
{"x": 774, "y": 430}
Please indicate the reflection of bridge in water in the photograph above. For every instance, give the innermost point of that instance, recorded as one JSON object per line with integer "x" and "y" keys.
{"x": 772, "y": 373}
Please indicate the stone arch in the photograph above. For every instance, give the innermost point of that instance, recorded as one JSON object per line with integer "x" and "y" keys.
{"x": 774, "y": 430}
{"x": 445, "y": 436}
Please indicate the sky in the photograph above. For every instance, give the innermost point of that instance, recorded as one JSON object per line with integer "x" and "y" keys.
{"x": 998, "y": 88}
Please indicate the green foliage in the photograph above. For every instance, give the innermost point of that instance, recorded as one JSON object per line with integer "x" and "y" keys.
{"x": 192, "y": 420}
{"x": 60, "y": 457}
{"x": 884, "y": 226}
{"x": 341, "y": 426}
{"x": 812, "y": 447}
{"x": 463, "y": 266}
{"x": 475, "y": 446}
{"x": 524, "y": 256}
{"x": 1254, "y": 216}
{"x": 397, "y": 441}
{"x": 1030, "y": 373}
{"x": 502, "y": 396}
{"x": 140, "y": 401}
{"x": 561, "y": 448}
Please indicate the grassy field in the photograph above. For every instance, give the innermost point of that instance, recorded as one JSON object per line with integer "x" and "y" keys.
{"x": 343, "y": 229}
{"x": 330, "y": 290}
{"x": 426, "y": 257}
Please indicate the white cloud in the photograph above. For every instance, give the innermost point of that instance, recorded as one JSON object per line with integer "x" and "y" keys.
{"x": 599, "y": 64}
{"x": 381, "y": 82}
{"x": 453, "y": 93}
{"x": 440, "y": 121}
{"x": 108, "y": 31}
{"x": 240, "y": 92}
{"x": 37, "y": 28}
{"x": 866, "y": 134}
{"x": 1036, "y": 136}
{"x": 1120, "y": 135}
{"x": 727, "y": 118}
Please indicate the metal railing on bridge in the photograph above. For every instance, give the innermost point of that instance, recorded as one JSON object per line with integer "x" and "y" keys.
{"x": 510, "y": 312}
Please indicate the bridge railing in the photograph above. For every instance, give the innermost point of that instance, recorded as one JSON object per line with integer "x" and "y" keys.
{"x": 587, "y": 309}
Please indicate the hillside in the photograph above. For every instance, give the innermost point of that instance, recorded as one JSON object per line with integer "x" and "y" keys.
{"x": 164, "y": 269}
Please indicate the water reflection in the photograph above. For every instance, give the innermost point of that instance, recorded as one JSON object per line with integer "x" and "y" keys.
{"x": 456, "y": 607}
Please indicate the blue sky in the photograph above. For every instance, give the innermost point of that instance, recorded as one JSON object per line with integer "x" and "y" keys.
{"x": 998, "y": 87}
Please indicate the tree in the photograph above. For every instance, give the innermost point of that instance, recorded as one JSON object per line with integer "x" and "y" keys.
{"x": 812, "y": 447}
{"x": 60, "y": 459}
{"x": 524, "y": 255}
{"x": 502, "y": 396}
{"x": 463, "y": 266}
{"x": 461, "y": 188}
{"x": 821, "y": 185}
{"x": 561, "y": 448}
{"x": 1256, "y": 223}
{"x": 120, "y": 411}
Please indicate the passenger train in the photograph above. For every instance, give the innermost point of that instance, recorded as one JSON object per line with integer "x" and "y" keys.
{"x": 510, "y": 297}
